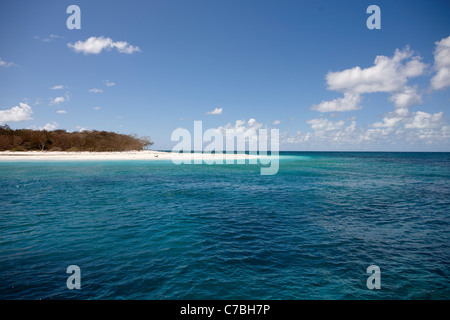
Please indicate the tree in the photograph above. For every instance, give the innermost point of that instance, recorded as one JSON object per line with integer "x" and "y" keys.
{"x": 27, "y": 139}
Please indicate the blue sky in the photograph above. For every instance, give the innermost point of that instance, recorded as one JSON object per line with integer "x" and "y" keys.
{"x": 305, "y": 67}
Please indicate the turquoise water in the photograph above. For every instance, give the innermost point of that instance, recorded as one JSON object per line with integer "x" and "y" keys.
{"x": 155, "y": 230}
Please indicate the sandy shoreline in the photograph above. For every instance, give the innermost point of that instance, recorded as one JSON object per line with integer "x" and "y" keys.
{"x": 126, "y": 155}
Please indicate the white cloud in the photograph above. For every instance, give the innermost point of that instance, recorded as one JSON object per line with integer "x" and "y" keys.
{"x": 386, "y": 75}
{"x": 109, "y": 83}
{"x": 424, "y": 120}
{"x": 244, "y": 128}
{"x": 216, "y": 111}
{"x": 95, "y": 90}
{"x": 97, "y": 108}
{"x": 22, "y": 112}
{"x": 49, "y": 126}
{"x": 5, "y": 64}
{"x": 322, "y": 124}
{"x": 276, "y": 122}
{"x": 57, "y": 100}
{"x": 388, "y": 122}
{"x": 413, "y": 129}
{"x": 326, "y": 131}
{"x": 441, "y": 64}
{"x": 414, "y": 120}
{"x": 81, "y": 129}
{"x": 61, "y": 111}
{"x": 441, "y": 79}
{"x": 406, "y": 98}
{"x": 67, "y": 95}
{"x": 95, "y": 45}
{"x": 399, "y": 129}
{"x": 298, "y": 138}
{"x": 57, "y": 87}
{"x": 37, "y": 102}
{"x": 49, "y": 38}
{"x": 348, "y": 103}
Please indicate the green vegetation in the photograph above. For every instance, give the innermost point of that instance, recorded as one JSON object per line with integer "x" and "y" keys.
{"x": 61, "y": 140}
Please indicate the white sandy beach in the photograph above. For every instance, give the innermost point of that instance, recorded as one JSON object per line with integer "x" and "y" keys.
{"x": 126, "y": 155}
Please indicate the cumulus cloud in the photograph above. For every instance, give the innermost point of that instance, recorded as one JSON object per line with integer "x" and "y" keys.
{"x": 401, "y": 117}
{"x": 248, "y": 129}
{"x": 424, "y": 120}
{"x": 81, "y": 129}
{"x": 388, "y": 122}
{"x": 399, "y": 127}
{"x": 216, "y": 111}
{"x": 49, "y": 126}
{"x": 418, "y": 128}
{"x": 326, "y": 131}
{"x": 406, "y": 98}
{"x": 95, "y": 90}
{"x": 61, "y": 111}
{"x": 57, "y": 87}
{"x": 5, "y": 64}
{"x": 56, "y": 100}
{"x": 95, "y": 45}
{"x": 348, "y": 103}
{"x": 242, "y": 125}
{"x": 388, "y": 74}
{"x": 276, "y": 122}
{"x": 22, "y": 112}
{"x": 109, "y": 83}
{"x": 441, "y": 64}
{"x": 49, "y": 38}
{"x": 322, "y": 124}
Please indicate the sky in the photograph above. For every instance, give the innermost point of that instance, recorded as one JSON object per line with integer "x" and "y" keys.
{"x": 311, "y": 69}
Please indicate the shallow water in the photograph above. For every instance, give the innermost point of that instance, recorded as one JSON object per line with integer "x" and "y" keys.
{"x": 155, "y": 230}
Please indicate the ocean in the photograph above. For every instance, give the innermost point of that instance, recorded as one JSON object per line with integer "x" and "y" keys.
{"x": 156, "y": 230}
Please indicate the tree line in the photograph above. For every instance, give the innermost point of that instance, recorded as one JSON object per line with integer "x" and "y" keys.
{"x": 61, "y": 140}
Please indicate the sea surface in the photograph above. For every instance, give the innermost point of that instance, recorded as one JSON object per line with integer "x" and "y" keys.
{"x": 156, "y": 230}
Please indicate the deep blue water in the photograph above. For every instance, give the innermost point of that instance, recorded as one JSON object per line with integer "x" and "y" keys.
{"x": 155, "y": 230}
